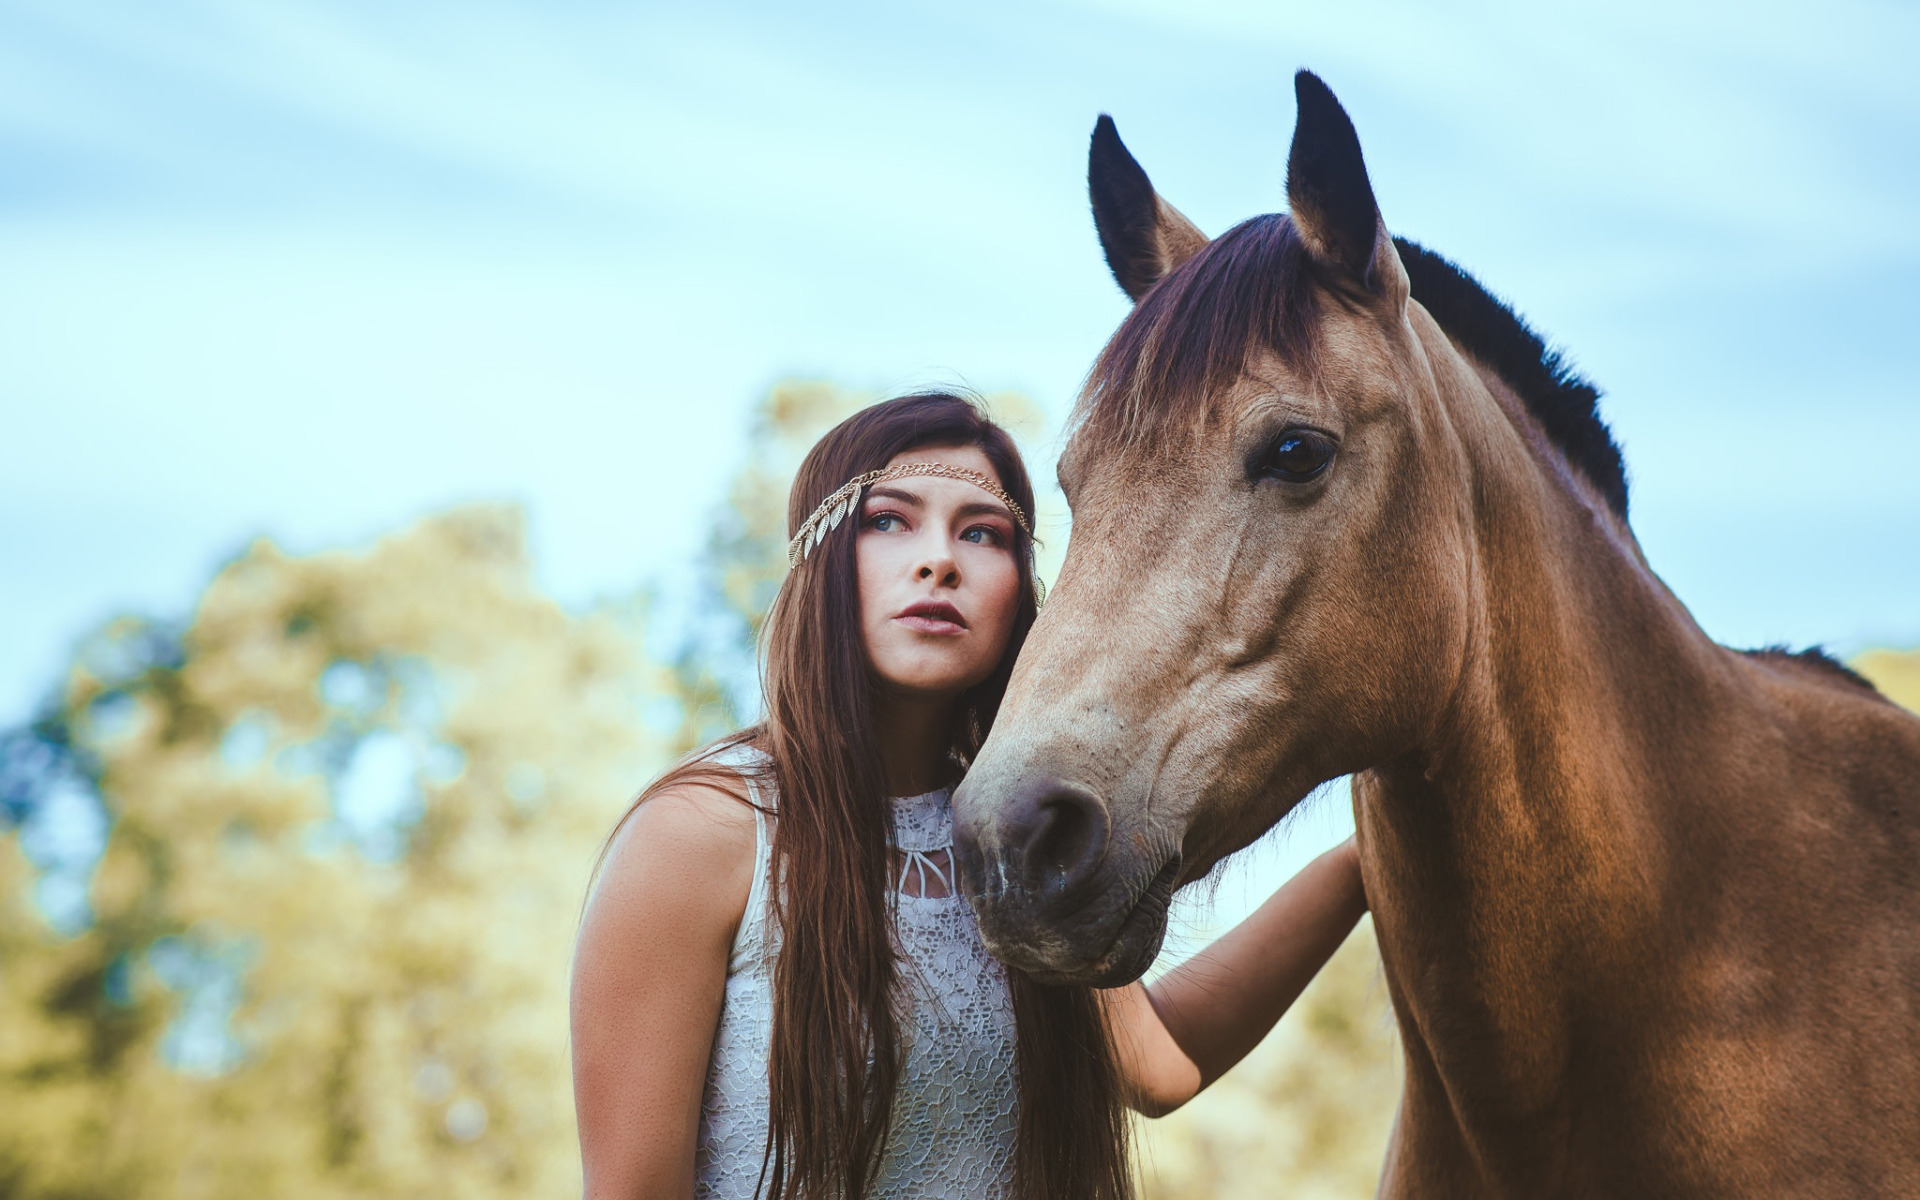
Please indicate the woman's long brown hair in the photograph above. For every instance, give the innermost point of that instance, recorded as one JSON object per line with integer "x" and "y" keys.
{"x": 836, "y": 1044}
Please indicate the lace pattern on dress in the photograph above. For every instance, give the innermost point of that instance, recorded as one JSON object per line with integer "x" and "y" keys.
{"x": 955, "y": 1111}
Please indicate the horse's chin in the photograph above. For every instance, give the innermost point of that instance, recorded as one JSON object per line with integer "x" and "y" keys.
{"x": 1128, "y": 954}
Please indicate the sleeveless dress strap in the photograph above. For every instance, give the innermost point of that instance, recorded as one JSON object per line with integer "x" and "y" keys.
{"x": 750, "y": 939}
{"x": 749, "y": 949}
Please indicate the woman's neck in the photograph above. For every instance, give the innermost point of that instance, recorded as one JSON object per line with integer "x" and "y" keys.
{"x": 915, "y": 734}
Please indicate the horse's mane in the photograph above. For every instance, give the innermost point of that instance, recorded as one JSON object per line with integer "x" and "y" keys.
{"x": 1252, "y": 286}
{"x": 1566, "y": 405}
{"x": 1814, "y": 661}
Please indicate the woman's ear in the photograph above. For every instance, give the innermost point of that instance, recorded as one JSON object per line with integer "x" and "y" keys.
{"x": 1145, "y": 237}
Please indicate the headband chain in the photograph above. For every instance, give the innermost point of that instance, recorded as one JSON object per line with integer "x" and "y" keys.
{"x": 835, "y": 508}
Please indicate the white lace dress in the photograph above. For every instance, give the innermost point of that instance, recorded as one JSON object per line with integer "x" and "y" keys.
{"x": 954, "y": 1110}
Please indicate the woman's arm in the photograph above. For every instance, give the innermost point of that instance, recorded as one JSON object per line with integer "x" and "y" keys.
{"x": 1183, "y": 1032}
{"x": 649, "y": 973}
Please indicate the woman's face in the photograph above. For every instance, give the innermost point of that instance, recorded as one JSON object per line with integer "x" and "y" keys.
{"x": 939, "y": 584}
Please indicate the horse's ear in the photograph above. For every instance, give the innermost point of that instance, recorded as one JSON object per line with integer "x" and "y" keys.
{"x": 1328, "y": 192}
{"x": 1145, "y": 237}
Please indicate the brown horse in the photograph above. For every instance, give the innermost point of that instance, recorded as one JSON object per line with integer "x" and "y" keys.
{"x": 1649, "y": 908}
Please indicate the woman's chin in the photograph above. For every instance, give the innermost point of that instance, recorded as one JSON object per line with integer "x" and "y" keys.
{"x": 926, "y": 677}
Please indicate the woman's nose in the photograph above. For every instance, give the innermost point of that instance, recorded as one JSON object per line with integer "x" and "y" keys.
{"x": 939, "y": 565}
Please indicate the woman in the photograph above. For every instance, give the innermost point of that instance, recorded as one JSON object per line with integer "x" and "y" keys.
{"x": 778, "y": 990}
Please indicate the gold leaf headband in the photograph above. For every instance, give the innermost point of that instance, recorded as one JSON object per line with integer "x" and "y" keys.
{"x": 835, "y": 508}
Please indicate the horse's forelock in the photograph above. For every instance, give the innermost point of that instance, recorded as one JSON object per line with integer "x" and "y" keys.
{"x": 1190, "y": 336}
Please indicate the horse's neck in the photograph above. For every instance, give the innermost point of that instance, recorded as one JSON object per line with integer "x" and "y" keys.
{"x": 1586, "y": 684}
{"x": 1622, "y": 852}
{"x": 1518, "y": 860}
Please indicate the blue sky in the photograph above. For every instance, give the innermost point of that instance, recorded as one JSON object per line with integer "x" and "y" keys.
{"x": 311, "y": 270}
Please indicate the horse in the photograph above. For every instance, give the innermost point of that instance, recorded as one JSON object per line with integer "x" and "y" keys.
{"x": 1647, "y": 907}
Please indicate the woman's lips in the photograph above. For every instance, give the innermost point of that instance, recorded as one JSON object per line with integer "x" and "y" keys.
{"x": 930, "y": 616}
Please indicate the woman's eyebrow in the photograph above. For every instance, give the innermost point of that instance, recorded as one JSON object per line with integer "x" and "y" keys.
{"x": 972, "y": 508}
{"x": 982, "y": 508}
{"x": 891, "y": 493}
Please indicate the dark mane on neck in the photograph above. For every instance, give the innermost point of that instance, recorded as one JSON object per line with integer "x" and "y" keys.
{"x": 1567, "y": 406}
{"x": 1814, "y": 661}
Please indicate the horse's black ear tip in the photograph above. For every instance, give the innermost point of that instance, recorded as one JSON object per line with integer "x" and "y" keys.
{"x": 1108, "y": 157}
{"x": 1311, "y": 91}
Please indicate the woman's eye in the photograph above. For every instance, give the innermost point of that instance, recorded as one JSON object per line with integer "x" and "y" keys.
{"x": 886, "y": 522}
{"x": 1296, "y": 456}
{"x": 984, "y": 535}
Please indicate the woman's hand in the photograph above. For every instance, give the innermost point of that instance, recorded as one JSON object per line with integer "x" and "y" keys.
{"x": 1182, "y": 1033}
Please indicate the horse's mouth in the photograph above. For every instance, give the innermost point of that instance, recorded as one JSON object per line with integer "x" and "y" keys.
{"x": 1135, "y": 944}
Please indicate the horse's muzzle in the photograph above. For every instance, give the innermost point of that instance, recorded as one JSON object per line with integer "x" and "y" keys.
{"x": 1053, "y": 896}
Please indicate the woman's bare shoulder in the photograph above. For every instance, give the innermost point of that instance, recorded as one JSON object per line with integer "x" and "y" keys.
{"x": 649, "y": 981}
{"x": 709, "y": 813}
{"x": 687, "y": 849}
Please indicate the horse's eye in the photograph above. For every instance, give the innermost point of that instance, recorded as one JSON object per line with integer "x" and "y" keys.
{"x": 1296, "y": 456}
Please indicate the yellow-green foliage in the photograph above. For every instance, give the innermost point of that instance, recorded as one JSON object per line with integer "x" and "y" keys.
{"x": 1895, "y": 672}
{"x": 1306, "y": 1114}
{"x": 402, "y": 1015}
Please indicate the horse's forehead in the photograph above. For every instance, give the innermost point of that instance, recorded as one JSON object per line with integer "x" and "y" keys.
{"x": 1187, "y": 434}
{"x": 1099, "y": 461}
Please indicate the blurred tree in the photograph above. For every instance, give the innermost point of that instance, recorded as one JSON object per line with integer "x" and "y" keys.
{"x": 1307, "y": 1114}
{"x": 352, "y": 811}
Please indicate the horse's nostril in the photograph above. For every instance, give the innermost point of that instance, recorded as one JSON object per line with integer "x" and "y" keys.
{"x": 1067, "y": 838}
